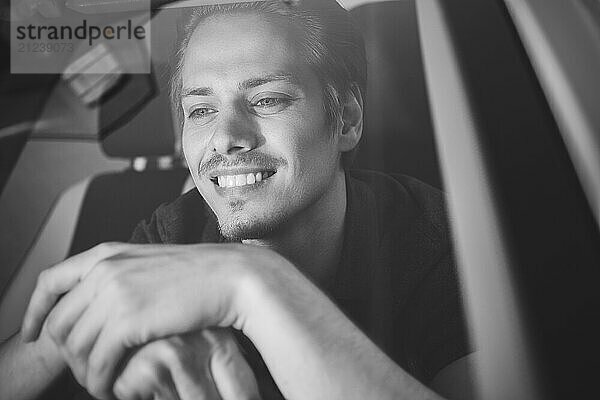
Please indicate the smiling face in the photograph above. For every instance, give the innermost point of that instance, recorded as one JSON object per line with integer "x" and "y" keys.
{"x": 255, "y": 133}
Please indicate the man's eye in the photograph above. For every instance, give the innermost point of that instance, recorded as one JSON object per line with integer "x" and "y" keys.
{"x": 271, "y": 105}
{"x": 269, "y": 102}
{"x": 202, "y": 112}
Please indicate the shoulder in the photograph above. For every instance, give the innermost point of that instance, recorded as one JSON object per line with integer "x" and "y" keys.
{"x": 179, "y": 222}
{"x": 407, "y": 204}
{"x": 407, "y": 226}
{"x": 415, "y": 266}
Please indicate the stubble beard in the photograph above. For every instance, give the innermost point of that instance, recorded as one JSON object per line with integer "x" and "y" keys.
{"x": 240, "y": 226}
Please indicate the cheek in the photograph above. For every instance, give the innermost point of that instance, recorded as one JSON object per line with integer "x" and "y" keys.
{"x": 313, "y": 156}
{"x": 187, "y": 147}
{"x": 193, "y": 147}
{"x": 316, "y": 140}
{"x": 309, "y": 132}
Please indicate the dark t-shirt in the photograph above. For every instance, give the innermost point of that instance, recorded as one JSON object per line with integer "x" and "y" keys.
{"x": 396, "y": 278}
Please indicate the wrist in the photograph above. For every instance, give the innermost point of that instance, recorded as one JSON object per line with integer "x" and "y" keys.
{"x": 270, "y": 292}
{"x": 250, "y": 295}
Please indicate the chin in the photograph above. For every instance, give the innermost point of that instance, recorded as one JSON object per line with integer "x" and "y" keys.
{"x": 236, "y": 228}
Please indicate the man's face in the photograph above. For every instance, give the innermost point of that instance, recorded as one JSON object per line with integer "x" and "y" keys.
{"x": 255, "y": 134}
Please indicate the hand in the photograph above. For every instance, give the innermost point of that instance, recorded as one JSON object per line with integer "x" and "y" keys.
{"x": 205, "y": 364}
{"x": 121, "y": 296}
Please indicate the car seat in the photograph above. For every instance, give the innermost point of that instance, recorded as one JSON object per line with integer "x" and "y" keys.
{"x": 105, "y": 207}
{"x": 398, "y": 132}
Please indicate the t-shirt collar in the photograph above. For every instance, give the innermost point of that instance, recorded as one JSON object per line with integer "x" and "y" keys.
{"x": 360, "y": 246}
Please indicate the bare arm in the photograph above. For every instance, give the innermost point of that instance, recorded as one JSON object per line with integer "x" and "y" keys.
{"x": 310, "y": 339}
{"x": 129, "y": 295}
{"x": 28, "y": 369}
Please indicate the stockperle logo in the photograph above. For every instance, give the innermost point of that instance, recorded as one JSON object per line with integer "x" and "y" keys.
{"x": 50, "y": 36}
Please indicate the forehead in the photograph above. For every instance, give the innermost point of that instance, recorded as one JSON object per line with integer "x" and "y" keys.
{"x": 239, "y": 46}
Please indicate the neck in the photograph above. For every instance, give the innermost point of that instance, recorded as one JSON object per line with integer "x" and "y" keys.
{"x": 313, "y": 240}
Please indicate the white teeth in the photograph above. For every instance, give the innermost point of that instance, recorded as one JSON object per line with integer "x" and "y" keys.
{"x": 229, "y": 181}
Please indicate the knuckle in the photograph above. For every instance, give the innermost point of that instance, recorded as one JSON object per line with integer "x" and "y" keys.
{"x": 119, "y": 289}
{"x": 43, "y": 278}
{"x": 168, "y": 351}
{"x": 106, "y": 247}
{"x": 106, "y": 268}
{"x": 149, "y": 370}
{"x": 95, "y": 389}
{"x": 115, "y": 285}
{"x": 75, "y": 350}
{"x": 121, "y": 389}
{"x": 128, "y": 388}
{"x": 98, "y": 389}
{"x": 97, "y": 393}
{"x": 127, "y": 311}
{"x": 161, "y": 354}
{"x": 54, "y": 330}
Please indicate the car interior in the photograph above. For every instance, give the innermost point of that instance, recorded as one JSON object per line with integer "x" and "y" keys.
{"x": 492, "y": 101}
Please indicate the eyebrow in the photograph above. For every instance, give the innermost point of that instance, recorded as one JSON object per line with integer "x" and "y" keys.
{"x": 245, "y": 85}
{"x": 263, "y": 80}
{"x": 199, "y": 91}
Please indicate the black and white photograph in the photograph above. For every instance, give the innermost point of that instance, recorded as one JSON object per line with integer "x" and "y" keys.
{"x": 299, "y": 199}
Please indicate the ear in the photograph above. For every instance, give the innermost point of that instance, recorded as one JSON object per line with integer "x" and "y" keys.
{"x": 352, "y": 119}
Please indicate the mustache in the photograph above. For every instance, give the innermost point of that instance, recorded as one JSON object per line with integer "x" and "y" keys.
{"x": 255, "y": 159}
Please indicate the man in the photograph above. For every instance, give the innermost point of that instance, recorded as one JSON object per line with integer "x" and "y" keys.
{"x": 271, "y": 102}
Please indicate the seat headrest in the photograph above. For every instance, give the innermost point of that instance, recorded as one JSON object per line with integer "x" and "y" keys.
{"x": 398, "y": 133}
{"x": 148, "y": 133}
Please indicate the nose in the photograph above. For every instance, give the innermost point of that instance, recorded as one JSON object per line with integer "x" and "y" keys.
{"x": 236, "y": 133}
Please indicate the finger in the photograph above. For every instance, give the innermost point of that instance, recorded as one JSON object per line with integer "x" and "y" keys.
{"x": 108, "y": 350}
{"x": 76, "y": 320}
{"x": 135, "y": 385}
{"x": 57, "y": 280}
{"x": 68, "y": 310}
{"x": 190, "y": 371}
{"x": 234, "y": 378}
{"x": 78, "y": 345}
{"x": 72, "y": 305}
{"x": 145, "y": 377}
{"x": 199, "y": 385}
{"x": 231, "y": 373}
{"x": 51, "y": 284}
